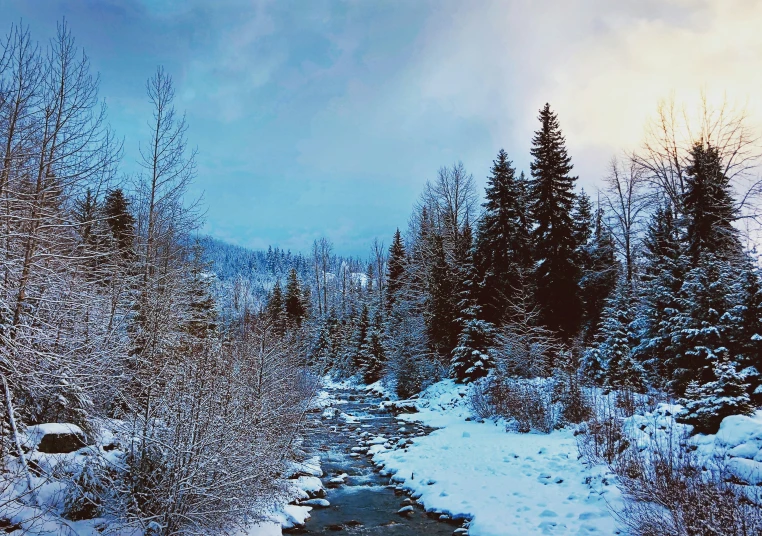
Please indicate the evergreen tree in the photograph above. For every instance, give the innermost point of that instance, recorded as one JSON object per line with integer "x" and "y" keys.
{"x": 600, "y": 269}
{"x": 697, "y": 335}
{"x": 201, "y": 316}
{"x": 395, "y": 270}
{"x": 372, "y": 353}
{"x": 708, "y": 404}
{"x": 86, "y": 213}
{"x": 471, "y": 358}
{"x": 360, "y": 338}
{"x": 583, "y": 220}
{"x": 442, "y": 314}
{"x": 120, "y": 220}
{"x": 611, "y": 362}
{"x": 708, "y": 205}
{"x": 274, "y": 310}
{"x": 294, "y": 305}
{"x": 746, "y": 331}
{"x": 502, "y": 243}
{"x": 552, "y": 201}
{"x": 661, "y": 282}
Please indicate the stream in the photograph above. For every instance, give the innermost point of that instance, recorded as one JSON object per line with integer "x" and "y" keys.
{"x": 363, "y": 501}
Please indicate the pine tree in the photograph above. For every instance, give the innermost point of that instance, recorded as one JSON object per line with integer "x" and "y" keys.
{"x": 274, "y": 310}
{"x": 746, "y": 329}
{"x": 120, "y": 220}
{"x": 552, "y": 201}
{"x": 373, "y": 354}
{"x": 708, "y": 205}
{"x": 502, "y": 243}
{"x": 86, "y": 213}
{"x": 360, "y": 338}
{"x": 600, "y": 269}
{"x": 201, "y": 315}
{"x": 708, "y": 404}
{"x": 395, "y": 270}
{"x": 442, "y": 314}
{"x": 465, "y": 291}
{"x": 471, "y": 358}
{"x": 294, "y": 305}
{"x": 583, "y": 220}
{"x": 697, "y": 333}
{"x": 612, "y": 359}
{"x": 661, "y": 282}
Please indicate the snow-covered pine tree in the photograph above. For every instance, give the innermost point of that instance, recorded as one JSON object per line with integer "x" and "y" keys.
{"x": 708, "y": 404}
{"x": 502, "y": 240}
{"x": 120, "y": 220}
{"x": 471, "y": 358}
{"x": 372, "y": 354}
{"x": 708, "y": 205}
{"x": 274, "y": 310}
{"x": 661, "y": 281}
{"x": 360, "y": 338}
{"x": 441, "y": 312}
{"x": 395, "y": 270}
{"x": 201, "y": 317}
{"x": 552, "y": 202}
{"x": 293, "y": 302}
{"x": 582, "y": 217}
{"x": 697, "y": 333}
{"x": 599, "y": 271}
{"x": 611, "y": 360}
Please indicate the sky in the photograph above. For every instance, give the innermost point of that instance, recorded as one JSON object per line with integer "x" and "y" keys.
{"x": 326, "y": 118}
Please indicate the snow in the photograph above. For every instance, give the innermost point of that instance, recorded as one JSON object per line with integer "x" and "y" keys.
{"x": 737, "y": 445}
{"x": 506, "y": 483}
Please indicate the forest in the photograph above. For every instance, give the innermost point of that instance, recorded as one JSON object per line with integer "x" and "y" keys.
{"x": 195, "y": 363}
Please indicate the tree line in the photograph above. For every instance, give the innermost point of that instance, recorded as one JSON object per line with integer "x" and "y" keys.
{"x": 649, "y": 287}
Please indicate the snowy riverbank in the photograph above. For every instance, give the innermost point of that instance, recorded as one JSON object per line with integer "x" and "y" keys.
{"x": 507, "y": 483}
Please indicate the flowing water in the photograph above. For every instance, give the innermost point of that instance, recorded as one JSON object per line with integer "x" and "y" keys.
{"x": 365, "y": 503}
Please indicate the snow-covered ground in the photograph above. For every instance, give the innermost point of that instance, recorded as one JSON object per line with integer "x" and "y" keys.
{"x": 507, "y": 483}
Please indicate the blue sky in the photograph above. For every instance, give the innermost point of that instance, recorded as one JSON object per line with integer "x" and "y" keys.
{"x": 324, "y": 118}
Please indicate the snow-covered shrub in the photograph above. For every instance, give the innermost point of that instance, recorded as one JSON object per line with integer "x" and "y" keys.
{"x": 85, "y": 492}
{"x": 526, "y": 404}
{"x": 669, "y": 491}
{"x": 479, "y": 400}
{"x": 601, "y": 438}
{"x": 569, "y": 393}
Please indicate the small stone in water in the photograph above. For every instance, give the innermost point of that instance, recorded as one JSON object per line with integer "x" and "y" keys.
{"x": 319, "y": 503}
{"x": 405, "y": 510}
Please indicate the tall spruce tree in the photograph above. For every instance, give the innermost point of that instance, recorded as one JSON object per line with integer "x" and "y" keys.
{"x": 662, "y": 279}
{"x": 442, "y": 314}
{"x": 120, "y": 220}
{"x": 274, "y": 310}
{"x": 552, "y": 202}
{"x": 201, "y": 309}
{"x": 294, "y": 304}
{"x": 502, "y": 240}
{"x": 360, "y": 338}
{"x": 395, "y": 270}
{"x": 372, "y": 353}
{"x": 599, "y": 272}
{"x": 708, "y": 205}
{"x": 583, "y": 220}
{"x": 746, "y": 329}
{"x": 697, "y": 332}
